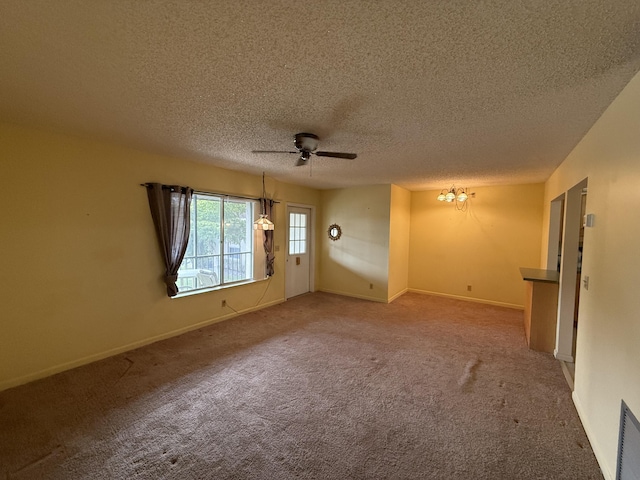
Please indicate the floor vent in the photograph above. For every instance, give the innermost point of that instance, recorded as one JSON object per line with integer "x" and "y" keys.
{"x": 628, "y": 446}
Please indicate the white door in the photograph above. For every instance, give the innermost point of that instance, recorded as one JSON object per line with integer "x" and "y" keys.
{"x": 298, "y": 255}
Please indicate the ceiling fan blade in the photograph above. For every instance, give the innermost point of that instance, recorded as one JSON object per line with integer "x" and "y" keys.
{"x": 272, "y": 151}
{"x": 348, "y": 156}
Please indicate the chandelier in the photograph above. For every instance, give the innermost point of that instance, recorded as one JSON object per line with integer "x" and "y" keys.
{"x": 457, "y": 196}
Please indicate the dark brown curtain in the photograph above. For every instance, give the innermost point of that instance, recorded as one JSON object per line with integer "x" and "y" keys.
{"x": 267, "y": 208}
{"x": 169, "y": 206}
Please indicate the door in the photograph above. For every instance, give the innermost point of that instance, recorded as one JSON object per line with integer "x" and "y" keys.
{"x": 298, "y": 251}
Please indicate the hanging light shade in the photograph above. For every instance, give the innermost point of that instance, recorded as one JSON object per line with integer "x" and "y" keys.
{"x": 450, "y": 196}
{"x": 462, "y": 196}
{"x": 441, "y": 197}
{"x": 263, "y": 223}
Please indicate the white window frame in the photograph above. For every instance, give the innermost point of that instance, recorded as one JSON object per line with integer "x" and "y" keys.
{"x": 256, "y": 251}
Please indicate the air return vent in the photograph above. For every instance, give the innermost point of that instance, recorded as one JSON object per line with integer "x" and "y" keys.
{"x": 628, "y": 446}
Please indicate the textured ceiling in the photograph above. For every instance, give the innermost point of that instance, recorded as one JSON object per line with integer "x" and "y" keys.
{"x": 427, "y": 93}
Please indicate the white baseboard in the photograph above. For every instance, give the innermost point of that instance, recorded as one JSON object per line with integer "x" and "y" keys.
{"x": 397, "y": 295}
{"x": 354, "y": 295}
{"x": 567, "y": 375}
{"x": 468, "y": 299}
{"x": 14, "y": 382}
{"x": 604, "y": 467}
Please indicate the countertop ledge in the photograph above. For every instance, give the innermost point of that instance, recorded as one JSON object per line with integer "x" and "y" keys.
{"x": 538, "y": 275}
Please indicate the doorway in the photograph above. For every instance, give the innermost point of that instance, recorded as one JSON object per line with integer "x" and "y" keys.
{"x": 299, "y": 251}
{"x": 570, "y": 271}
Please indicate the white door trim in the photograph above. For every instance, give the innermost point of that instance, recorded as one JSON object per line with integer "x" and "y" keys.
{"x": 312, "y": 244}
{"x": 568, "y": 271}
{"x": 554, "y": 242}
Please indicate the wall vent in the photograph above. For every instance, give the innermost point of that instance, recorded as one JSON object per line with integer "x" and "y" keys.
{"x": 628, "y": 446}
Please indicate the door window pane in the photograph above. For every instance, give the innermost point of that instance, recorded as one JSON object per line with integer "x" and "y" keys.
{"x": 297, "y": 233}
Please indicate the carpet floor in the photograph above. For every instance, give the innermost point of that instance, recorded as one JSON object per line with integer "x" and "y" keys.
{"x": 319, "y": 387}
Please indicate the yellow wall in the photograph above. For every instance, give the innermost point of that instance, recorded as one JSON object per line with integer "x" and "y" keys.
{"x": 360, "y": 258}
{"x": 399, "y": 229}
{"x": 483, "y": 247}
{"x": 608, "y": 343}
{"x": 81, "y": 268}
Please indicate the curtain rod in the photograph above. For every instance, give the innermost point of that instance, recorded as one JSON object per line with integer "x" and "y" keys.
{"x": 220, "y": 194}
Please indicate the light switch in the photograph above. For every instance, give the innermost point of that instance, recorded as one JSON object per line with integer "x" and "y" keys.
{"x": 585, "y": 282}
{"x": 589, "y": 219}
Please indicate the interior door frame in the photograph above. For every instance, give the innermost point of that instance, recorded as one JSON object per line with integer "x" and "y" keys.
{"x": 312, "y": 244}
{"x": 568, "y": 270}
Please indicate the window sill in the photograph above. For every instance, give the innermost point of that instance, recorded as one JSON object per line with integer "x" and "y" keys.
{"x": 198, "y": 291}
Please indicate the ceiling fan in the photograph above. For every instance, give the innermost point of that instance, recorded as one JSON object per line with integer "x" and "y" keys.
{"x": 306, "y": 145}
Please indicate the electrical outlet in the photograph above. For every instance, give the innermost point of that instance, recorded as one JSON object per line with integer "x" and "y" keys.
{"x": 224, "y": 303}
{"x": 585, "y": 282}
{"x": 468, "y": 288}
{"x": 276, "y": 248}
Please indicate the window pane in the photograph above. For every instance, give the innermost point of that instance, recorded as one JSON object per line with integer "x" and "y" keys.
{"x": 207, "y": 225}
{"x": 238, "y": 240}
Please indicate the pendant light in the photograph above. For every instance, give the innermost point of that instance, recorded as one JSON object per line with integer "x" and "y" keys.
{"x": 263, "y": 223}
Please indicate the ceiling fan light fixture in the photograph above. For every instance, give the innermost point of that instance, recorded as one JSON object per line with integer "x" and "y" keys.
{"x": 307, "y": 142}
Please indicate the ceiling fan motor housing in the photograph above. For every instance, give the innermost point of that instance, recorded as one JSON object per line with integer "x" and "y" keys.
{"x": 306, "y": 142}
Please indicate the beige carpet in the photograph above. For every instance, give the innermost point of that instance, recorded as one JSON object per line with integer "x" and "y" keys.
{"x": 322, "y": 387}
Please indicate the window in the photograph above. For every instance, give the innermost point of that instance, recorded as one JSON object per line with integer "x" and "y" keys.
{"x": 221, "y": 243}
{"x": 297, "y": 233}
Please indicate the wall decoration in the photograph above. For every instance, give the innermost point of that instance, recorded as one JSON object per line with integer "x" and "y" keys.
{"x": 334, "y": 232}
